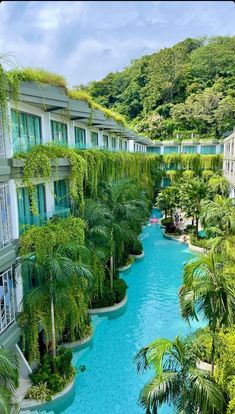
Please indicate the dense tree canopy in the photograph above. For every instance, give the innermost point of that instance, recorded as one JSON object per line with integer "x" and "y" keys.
{"x": 187, "y": 88}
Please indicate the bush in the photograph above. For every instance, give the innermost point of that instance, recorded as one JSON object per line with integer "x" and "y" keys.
{"x": 170, "y": 228}
{"x": 109, "y": 297}
{"x": 197, "y": 241}
{"x": 166, "y": 221}
{"x": 137, "y": 247}
{"x": 39, "y": 392}
{"x": 57, "y": 380}
{"x": 190, "y": 229}
{"x": 129, "y": 261}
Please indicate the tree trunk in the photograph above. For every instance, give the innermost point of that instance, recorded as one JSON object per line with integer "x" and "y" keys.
{"x": 166, "y": 213}
{"x": 111, "y": 272}
{"x": 213, "y": 354}
{"x": 192, "y": 221}
{"x": 53, "y": 341}
{"x": 197, "y": 223}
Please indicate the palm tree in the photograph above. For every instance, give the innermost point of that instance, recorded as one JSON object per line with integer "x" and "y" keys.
{"x": 97, "y": 218}
{"x": 9, "y": 374}
{"x": 216, "y": 214}
{"x": 59, "y": 270}
{"x": 193, "y": 193}
{"x": 168, "y": 199}
{"x": 219, "y": 186}
{"x": 126, "y": 210}
{"x": 177, "y": 380}
{"x": 208, "y": 292}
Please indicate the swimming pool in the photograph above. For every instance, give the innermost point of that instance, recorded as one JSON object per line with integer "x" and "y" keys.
{"x": 110, "y": 384}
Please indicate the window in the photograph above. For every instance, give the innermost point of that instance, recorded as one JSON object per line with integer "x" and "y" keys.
{"x": 7, "y": 299}
{"x": 114, "y": 143}
{"x": 208, "y": 149}
{"x": 5, "y": 216}
{"x": 156, "y": 150}
{"x": 80, "y": 137}
{"x": 61, "y": 191}
{"x": 59, "y": 133}
{"x": 170, "y": 150}
{"x": 105, "y": 141}
{"x": 126, "y": 147}
{"x": 189, "y": 149}
{"x": 94, "y": 139}
{"x": 120, "y": 144}
{"x": 26, "y": 217}
{"x": 26, "y": 131}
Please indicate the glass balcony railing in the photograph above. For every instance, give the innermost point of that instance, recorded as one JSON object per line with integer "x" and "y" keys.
{"x": 25, "y": 222}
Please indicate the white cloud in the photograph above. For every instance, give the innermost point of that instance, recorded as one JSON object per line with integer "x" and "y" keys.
{"x": 85, "y": 40}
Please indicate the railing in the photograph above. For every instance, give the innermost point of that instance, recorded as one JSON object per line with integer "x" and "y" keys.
{"x": 25, "y": 222}
{"x": 5, "y": 216}
{"x": 8, "y": 299}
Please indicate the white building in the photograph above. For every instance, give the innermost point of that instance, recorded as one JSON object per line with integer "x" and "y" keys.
{"x": 229, "y": 162}
{"x": 44, "y": 114}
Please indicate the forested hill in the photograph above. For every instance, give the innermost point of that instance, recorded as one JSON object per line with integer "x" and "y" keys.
{"x": 187, "y": 88}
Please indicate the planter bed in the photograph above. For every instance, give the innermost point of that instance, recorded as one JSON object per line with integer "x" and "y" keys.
{"x": 28, "y": 404}
{"x": 125, "y": 268}
{"x": 77, "y": 344}
{"x": 108, "y": 309}
{"x": 138, "y": 256}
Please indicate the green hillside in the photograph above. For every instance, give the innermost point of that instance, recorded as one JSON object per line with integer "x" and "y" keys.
{"x": 188, "y": 88}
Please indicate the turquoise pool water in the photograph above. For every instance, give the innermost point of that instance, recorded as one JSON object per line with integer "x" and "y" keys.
{"x": 111, "y": 384}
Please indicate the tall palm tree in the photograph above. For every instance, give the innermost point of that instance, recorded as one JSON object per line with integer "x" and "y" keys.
{"x": 9, "y": 374}
{"x": 219, "y": 186}
{"x": 125, "y": 211}
{"x": 97, "y": 218}
{"x": 216, "y": 214}
{"x": 193, "y": 193}
{"x": 177, "y": 380}
{"x": 208, "y": 292}
{"x": 60, "y": 268}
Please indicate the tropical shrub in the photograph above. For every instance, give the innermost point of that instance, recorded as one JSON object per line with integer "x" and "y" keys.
{"x": 198, "y": 241}
{"x": 137, "y": 247}
{"x": 54, "y": 374}
{"x": 39, "y": 392}
{"x": 166, "y": 221}
{"x": 110, "y": 297}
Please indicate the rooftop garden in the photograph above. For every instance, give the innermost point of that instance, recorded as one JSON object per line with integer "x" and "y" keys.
{"x": 16, "y": 76}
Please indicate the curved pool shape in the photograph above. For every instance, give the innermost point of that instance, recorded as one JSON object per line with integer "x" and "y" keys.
{"x": 110, "y": 384}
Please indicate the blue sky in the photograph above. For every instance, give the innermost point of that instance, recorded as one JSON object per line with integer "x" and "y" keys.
{"x": 85, "y": 40}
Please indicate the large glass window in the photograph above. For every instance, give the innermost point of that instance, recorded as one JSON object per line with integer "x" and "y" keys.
{"x": 126, "y": 147}
{"x": 189, "y": 149}
{"x": 105, "y": 141}
{"x": 61, "y": 191}
{"x": 170, "y": 150}
{"x": 156, "y": 150}
{"x": 7, "y": 299}
{"x": 94, "y": 139}
{"x": 208, "y": 149}
{"x": 26, "y": 217}
{"x": 59, "y": 132}
{"x": 26, "y": 131}
{"x": 80, "y": 137}
{"x": 114, "y": 143}
{"x": 120, "y": 144}
{"x": 5, "y": 216}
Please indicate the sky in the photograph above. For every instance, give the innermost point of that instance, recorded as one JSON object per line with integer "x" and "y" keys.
{"x": 85, "y": 40}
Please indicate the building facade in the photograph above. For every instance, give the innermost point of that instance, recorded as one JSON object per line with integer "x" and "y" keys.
{"x": 187, "y": 147}
{"x": 43, "y": 114}
{"x": 229, "y": 162}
